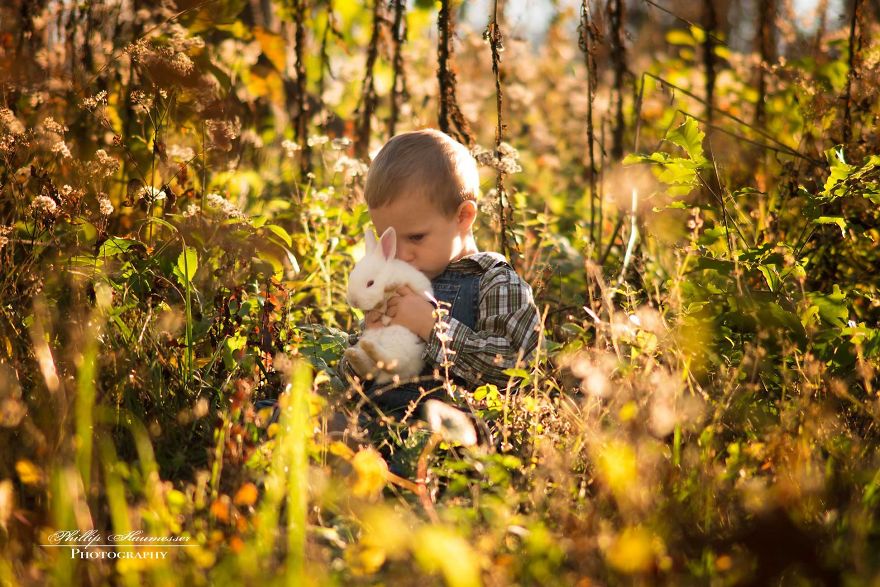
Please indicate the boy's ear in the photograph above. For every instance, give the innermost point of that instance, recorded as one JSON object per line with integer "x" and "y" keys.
{"x": 466, "y": 214}
{"x": 388, "y": 241}
{"x": 369, "y": 239}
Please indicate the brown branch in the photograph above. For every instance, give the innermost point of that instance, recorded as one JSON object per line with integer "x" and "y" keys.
{"x": 855, "y": 47}
{"x": 450, "y": 119}
{"x": 398, "y": 83}
{"x": 301, "y": 111}
{"x": 709, "y": 25}
{"x": 767, "y": 47}
{"x": 616, "y": 15}
{"x": 493, "y": 34}
{"x": 368, "y": 89}
{"x": 587, "y": 36}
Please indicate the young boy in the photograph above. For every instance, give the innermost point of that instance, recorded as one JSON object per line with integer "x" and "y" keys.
{"x": 425, "y": 185}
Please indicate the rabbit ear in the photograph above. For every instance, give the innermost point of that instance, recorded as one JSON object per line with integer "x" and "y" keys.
{"x": 369, "y": 239}
{"x": 389, "y": 243}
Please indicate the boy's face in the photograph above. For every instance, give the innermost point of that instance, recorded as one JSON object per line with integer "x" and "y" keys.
{"x": 426, "y": 238}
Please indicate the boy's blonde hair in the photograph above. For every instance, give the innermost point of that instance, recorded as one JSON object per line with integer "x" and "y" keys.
{"x": 423, "y": 161}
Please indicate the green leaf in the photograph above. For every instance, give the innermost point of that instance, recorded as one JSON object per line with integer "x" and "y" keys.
{"x": 721, "y": 266}
{"x": 187, "y": 264}
{"x": 634, "y": 158}
{"x": 115, "y": 246}
{"x": 517, "y": 373}
{"x": 832, "y": 307}
{"x": 689, "y": 137}
{"x": 283, "y": 234}
{"x": 840, "y": 170}
{"x": 838, "y": 220}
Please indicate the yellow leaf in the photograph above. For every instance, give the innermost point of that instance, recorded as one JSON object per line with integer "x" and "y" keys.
{"x": 273, "y": 47}
{"x": 28, "y": 472}
{"x": 438, "y": 548}
{"x": 634, "y": 551}
{"x": 246, "y": 495}
{"x": 617, "y": 467}
{"x": 264, "y": 82}
{"x": 388, "y": 528}
{"x": 371, "y": 471}
{"x": 7, "y": 501}
{"x": 340, "y": 449}
{"x": 365, "y": 560}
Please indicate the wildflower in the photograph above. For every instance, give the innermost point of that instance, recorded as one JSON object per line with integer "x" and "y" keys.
{"x": 44, "y": 204}
{"x": 340, "y": 143}
{"x": 226, "y": 208}
{"x": 180, "y": 153}
{"x": 142, "y": 102}
{"x": 350, "y": 167}
{"x": 503, "y": 159}
{"x": 452, "y": 424}
{"x": 4, "y": 234}
{"x": 324, "y": 195}
{"x": 52, "y": 126}
{"x": 94, "y": 101}
{"x": 182, "y": 64}
{"x": 150, "y": 194}
{"x": 290, "y": 147}
{"x": 191, "y": 210}
{"x": 223, "y": 132}
{"x": 38, "y": 98}
{"x": 7, "y": 117}
{"x": 105, "y": 165}
{"x": 105, "y": 206}
{"x": 318, "y": 140}
{"x": 61, "y": 148}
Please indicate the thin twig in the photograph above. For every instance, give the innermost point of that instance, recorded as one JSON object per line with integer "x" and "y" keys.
{"x": 784, "y": 148}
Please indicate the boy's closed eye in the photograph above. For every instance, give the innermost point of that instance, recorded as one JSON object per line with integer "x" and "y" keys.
{"x": 416, "y": 237}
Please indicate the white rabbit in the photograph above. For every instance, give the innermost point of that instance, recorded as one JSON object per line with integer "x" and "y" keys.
{"x": 390, "y": 350}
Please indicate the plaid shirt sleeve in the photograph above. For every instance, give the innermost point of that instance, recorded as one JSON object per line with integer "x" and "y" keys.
{"x": 506, "y": 333}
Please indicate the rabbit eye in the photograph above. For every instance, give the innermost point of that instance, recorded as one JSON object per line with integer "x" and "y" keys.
{"x": 370, "y": 283}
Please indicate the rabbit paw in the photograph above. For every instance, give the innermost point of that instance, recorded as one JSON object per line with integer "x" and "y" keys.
{"x": 360, "y": 361}
{"x": 375, "y": 354}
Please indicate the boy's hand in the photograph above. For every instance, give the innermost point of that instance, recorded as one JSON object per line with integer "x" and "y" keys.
{"x": 411, "y": 310}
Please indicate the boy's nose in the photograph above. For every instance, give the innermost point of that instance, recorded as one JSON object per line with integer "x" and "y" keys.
{"x": 405, "y": 253}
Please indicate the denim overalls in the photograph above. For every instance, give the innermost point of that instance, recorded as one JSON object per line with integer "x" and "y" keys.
{"x": 461, "y": 291}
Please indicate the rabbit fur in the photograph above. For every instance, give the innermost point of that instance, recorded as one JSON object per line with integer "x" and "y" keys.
{"x": 392, "y": 350}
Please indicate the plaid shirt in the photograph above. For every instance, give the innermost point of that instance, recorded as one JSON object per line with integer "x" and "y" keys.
{"x": 507, "y": 328}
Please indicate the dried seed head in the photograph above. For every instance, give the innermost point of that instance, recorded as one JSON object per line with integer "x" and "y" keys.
{"x": 61, "y": 148}
{"x": 105, "y": 207}
{"x": 224, "y": 206}
{"x": 44, "y": 204}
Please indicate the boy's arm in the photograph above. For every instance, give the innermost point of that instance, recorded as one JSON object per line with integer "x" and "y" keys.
{"x": 506, "y": 333}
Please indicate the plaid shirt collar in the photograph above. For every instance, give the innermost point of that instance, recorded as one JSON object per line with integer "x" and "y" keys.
{"x": 477, "y": 262}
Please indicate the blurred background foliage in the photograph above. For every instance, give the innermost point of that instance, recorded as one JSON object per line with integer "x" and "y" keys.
{"x": 691, "y": 189}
